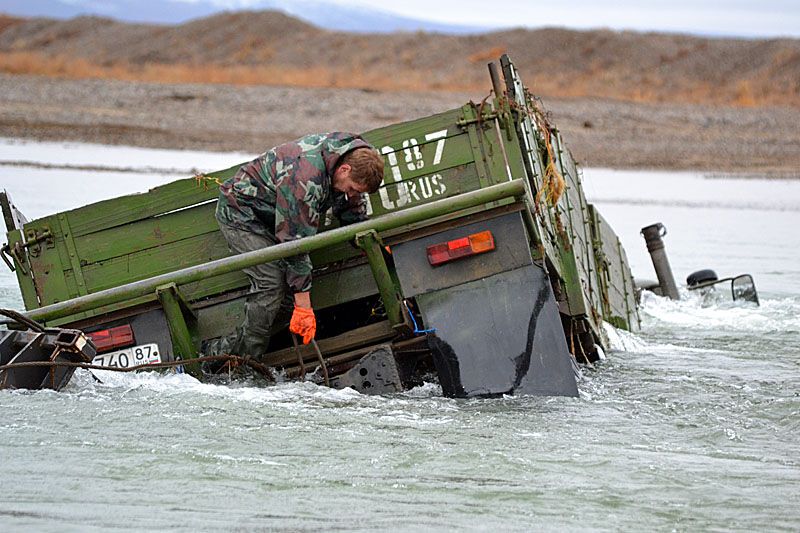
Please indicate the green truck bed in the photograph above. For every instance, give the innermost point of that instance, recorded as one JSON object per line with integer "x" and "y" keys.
{"x": 75, "y": 268}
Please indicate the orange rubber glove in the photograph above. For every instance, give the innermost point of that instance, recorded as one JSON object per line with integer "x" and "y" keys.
{"x": 303, "y": 323}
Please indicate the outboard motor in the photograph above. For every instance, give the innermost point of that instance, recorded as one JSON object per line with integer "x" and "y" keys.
{"x": 701, "y": 276}
{"x": 740, "y": 288}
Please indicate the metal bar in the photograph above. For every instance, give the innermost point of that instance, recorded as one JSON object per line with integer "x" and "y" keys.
{"x": 321, "y": 363}
{"x": 279, "y": 251}
{"x": 655, "y": 245}
{"x": 301, "y": 366}
{"x": 495, "y": 76}
{"x": 29, "y": 295}
{"x": 369, "y": 241}
{"x": 182, "y": 343}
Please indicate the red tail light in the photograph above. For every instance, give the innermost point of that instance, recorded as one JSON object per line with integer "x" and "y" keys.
{"x": 114, "y": 338}
{"x": 474, "y": 244}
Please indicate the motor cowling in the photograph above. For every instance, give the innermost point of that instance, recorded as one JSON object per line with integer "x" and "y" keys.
{"x": 701, "y": 276}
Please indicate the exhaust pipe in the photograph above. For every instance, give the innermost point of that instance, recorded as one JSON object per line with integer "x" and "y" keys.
{"x": 655, "y": 245}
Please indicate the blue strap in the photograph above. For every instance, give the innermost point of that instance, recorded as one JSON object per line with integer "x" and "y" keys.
{"x": 417, "y": 331}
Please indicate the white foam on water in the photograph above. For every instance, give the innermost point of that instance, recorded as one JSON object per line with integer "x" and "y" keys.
{"x": 621, "y": 340}
{"x": 171, "y": 383}
{"x": 694, "y": 312}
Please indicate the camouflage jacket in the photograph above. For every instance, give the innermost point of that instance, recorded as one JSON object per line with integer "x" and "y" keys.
{"x": 284, "y": 195}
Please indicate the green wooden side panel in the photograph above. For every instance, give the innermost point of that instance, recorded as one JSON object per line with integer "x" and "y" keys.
{"x": 619, "y": 304}
{"x": 123, "y": 210}
{"x": 87, "y": 243}
{"x": 443, "y": 184}
{"x": 426, "y": 160}
{"x": 529, "y": 140}
{"x": 575, "y": 219}
{"x": 154, "y": 232}
{"x": 141, "y": 264}
{"x": 50, "y": 263}
{"x": 390, "y": 134}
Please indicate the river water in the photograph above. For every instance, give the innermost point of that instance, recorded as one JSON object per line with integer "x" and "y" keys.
{"x": 690, "y": 424}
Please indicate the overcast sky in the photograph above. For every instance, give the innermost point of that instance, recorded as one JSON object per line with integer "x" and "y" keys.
{"x": 716, "y": 17}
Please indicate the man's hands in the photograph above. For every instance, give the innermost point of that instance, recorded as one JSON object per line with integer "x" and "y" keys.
{"x": 303, "y": 321}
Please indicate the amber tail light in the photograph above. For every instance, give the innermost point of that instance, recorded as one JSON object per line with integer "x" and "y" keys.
{"x": 474, "y": 244}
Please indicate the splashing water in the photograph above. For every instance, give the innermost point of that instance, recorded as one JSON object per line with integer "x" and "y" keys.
{"x": 689, "y": 424}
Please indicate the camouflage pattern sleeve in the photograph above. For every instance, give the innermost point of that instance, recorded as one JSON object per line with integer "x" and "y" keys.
{"x": 299, "y": 194}
{"x": 350, "y": 210}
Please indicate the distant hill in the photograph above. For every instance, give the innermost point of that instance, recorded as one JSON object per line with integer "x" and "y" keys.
{"x": 271, "y": 47}
{"x": 322, "y": 13}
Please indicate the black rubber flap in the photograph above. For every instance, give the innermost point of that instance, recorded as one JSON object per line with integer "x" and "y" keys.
{"x": 500, "y": 335}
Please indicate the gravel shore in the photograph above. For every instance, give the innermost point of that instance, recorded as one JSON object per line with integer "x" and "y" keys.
{"x": 762, "y": 141}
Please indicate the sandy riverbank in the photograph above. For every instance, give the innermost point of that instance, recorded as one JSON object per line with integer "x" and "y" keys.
{"x": 601, "y": 133}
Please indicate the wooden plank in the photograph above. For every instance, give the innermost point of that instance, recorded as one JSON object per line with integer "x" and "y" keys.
{"x": 346, "y": 285}
{"x": 446, "y": 120}
{"x": 347, "y": 341}
{"x": 220, "y": 319}
{"x": 154, "y": 261}
{"x": 125, "y": 209}
{"x": 148, "y": 233}
{"x": 409, "y": 158}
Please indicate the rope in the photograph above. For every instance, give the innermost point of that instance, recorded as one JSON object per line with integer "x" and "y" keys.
{"x": 553, "y": 180}
{"x": 203, "y": 181}
{"x": 19, "y": 318}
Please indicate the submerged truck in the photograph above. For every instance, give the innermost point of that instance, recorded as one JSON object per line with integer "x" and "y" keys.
{"x": 482, "y": 266}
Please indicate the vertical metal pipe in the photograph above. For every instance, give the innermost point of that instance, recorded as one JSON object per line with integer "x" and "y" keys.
{"x": 655, "y": 245}
{"x": 495, "y": 75}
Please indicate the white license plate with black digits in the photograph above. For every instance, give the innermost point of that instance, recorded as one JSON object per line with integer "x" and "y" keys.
{"x": 144, "y": 354}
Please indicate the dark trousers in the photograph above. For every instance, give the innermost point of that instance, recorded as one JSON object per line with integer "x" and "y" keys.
{"x": 269, "y": 302}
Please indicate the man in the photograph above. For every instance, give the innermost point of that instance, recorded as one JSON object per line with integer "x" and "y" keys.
{"x": 281, "y": 196}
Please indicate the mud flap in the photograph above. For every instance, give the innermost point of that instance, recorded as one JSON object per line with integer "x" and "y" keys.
{"x": 499, "y": 335}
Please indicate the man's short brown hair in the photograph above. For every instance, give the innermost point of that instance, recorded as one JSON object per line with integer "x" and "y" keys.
{"x": 366, "y": 167}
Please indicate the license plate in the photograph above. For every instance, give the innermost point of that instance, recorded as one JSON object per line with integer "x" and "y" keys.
{"x": 144, "y": 354}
